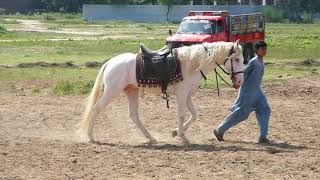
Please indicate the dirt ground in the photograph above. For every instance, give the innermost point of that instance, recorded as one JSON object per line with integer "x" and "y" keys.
{"x": 37, "y": 26}
{"x": 37, "y": 138}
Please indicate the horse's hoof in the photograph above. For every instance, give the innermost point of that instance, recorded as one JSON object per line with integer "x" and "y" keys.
{"x": 84, "y": 137}
{"x": 185, "y": 142}
{"x": 150, "y": 142}
{"x": 87, "y": 140}
{"x": 175, "y": 133}
{"x": 153, "y": 141}
{"x": 92, "y": 141}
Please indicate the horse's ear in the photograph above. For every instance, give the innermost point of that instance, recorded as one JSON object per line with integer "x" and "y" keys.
{"x": 236, "y": 45}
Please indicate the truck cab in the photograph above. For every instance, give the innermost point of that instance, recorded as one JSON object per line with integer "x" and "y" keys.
{"x": 213, "y": 26}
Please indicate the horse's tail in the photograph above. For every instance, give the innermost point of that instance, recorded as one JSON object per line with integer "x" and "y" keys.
{"x": 92, "y": 100}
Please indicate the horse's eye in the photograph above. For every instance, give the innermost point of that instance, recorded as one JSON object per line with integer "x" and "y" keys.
{"x": 237, "y": 60}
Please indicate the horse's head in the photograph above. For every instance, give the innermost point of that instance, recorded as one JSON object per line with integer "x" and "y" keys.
{"x": 234, "y": 65}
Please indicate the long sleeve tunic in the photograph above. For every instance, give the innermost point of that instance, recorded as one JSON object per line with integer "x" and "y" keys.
{"x": 250, "y": 98}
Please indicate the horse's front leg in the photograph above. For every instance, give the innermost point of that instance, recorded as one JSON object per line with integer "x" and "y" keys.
{"x": 196, "y": 80}
{"x": 182, "y": 110}
{"x": 191, "y": 119}
{"x": 193, "y": 112}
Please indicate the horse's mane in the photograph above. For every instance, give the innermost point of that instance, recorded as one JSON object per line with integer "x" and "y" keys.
{"x": 204, "y": 55}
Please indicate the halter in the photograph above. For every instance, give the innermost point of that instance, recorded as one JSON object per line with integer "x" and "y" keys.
{"x": 232, "y": 69}
{"x": 223, "y": 70}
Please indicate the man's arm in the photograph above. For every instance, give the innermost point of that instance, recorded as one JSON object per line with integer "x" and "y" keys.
{"x": 248, "y": 69}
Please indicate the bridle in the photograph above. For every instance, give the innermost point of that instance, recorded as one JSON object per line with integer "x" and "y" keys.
{"x": 232, "y": 69}
{"x": 223, "y": 70}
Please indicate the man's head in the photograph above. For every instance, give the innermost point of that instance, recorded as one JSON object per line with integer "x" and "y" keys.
{"x": 260, "y": 48}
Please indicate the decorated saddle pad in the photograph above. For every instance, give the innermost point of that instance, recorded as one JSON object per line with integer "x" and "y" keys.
{"x": 158, "y": 70}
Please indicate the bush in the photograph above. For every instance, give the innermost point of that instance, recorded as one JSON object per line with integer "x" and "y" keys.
{"x": 3, "y": 30}
{"x": 48, "y": 17}
{"x": 62, "y": 18}
{"x": 307, "y": 18}
{"x": 2, "y": 11}
{"x": 147, "y": 26}
{"x": 71, "y": 16}
{"x": 273, "y": 14}
{"x": 84, "y": 87}
{"x": 54, "y": 27}
{"x": 13, "y": 88}
{"x": 9, "y": 21}
{"x": 35, "y": 89}
{"x": 63, "y": 88}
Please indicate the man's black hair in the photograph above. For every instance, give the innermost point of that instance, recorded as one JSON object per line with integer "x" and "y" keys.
{"x": 259, "y": 44}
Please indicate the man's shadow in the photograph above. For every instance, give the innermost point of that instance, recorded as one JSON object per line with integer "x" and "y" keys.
{"x": 282, "y": 145}
{"x": 273, "y": 147}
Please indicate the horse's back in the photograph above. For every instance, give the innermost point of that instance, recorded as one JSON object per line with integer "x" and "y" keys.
{"x": 121, "y": 61}
{"x": 121, "y": 68}
{"x": 122, "y": 58}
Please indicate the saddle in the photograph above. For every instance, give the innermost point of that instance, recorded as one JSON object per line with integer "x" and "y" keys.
{"x": 164, "y": 51}
{"x": 158, "y": 68}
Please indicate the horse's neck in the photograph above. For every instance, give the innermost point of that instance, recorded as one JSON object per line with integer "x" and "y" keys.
{"x": 215, "y": 58}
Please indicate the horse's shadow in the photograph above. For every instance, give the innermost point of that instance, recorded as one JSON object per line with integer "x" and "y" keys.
{"x": 196, "y": 147}
{"x": 272, "y": 148}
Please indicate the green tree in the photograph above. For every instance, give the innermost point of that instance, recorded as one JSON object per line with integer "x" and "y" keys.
{"x": 295, "y": 10}
{"x": 229, "y": 2}
{"x": 153, "y": 2}
{"x": 97, "y": 1}
{"x": 119, "y": 2}
{"x": 64, "y": 5}
{"x": 171, "y": 2}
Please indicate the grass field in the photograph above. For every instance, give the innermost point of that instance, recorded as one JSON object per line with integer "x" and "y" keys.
{"x": 69, "y": 38}
{"x": 102, "y": 40}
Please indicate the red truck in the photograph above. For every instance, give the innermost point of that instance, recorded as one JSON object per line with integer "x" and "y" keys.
{"x": 213, "y": 26}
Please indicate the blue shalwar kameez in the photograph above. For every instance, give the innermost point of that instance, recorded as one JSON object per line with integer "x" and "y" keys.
{"x": 250, "y": 98}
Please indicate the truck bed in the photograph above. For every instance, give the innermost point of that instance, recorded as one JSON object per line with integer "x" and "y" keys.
{"x": 247, "y": 27}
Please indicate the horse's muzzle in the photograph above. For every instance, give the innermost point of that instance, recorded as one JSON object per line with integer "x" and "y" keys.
{"x": 234, "y": 83}
{"x": 236, "y": 86}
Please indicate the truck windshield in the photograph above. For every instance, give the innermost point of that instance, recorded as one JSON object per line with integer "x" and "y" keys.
{"x": 197, "y": 26}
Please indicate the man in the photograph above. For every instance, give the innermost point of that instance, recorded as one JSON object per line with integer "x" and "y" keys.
{"x": 250, "y": 98}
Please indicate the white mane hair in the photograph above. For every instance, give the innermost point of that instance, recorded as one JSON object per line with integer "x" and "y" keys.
{"x": 200, "y": 58}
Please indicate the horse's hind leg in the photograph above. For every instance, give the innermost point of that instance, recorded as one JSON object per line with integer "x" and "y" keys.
{"x": 133, "y": 98}
{"x": 107, "y": 97}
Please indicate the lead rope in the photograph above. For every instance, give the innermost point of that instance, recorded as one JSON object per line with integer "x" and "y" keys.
{"x": 217, "y": 81}
{"x": 205, "y": 80}
{"x": 167, "y": 98}
{"x": 142, "y": 93}
{"x": 222, "y": 78}
{"x": 217, "y": 74}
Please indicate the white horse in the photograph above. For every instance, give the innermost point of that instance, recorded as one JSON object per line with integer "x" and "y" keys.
{"x": 119, "y": 75}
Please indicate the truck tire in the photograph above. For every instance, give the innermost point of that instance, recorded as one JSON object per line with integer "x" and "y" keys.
{"x": 248, "y": 53}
